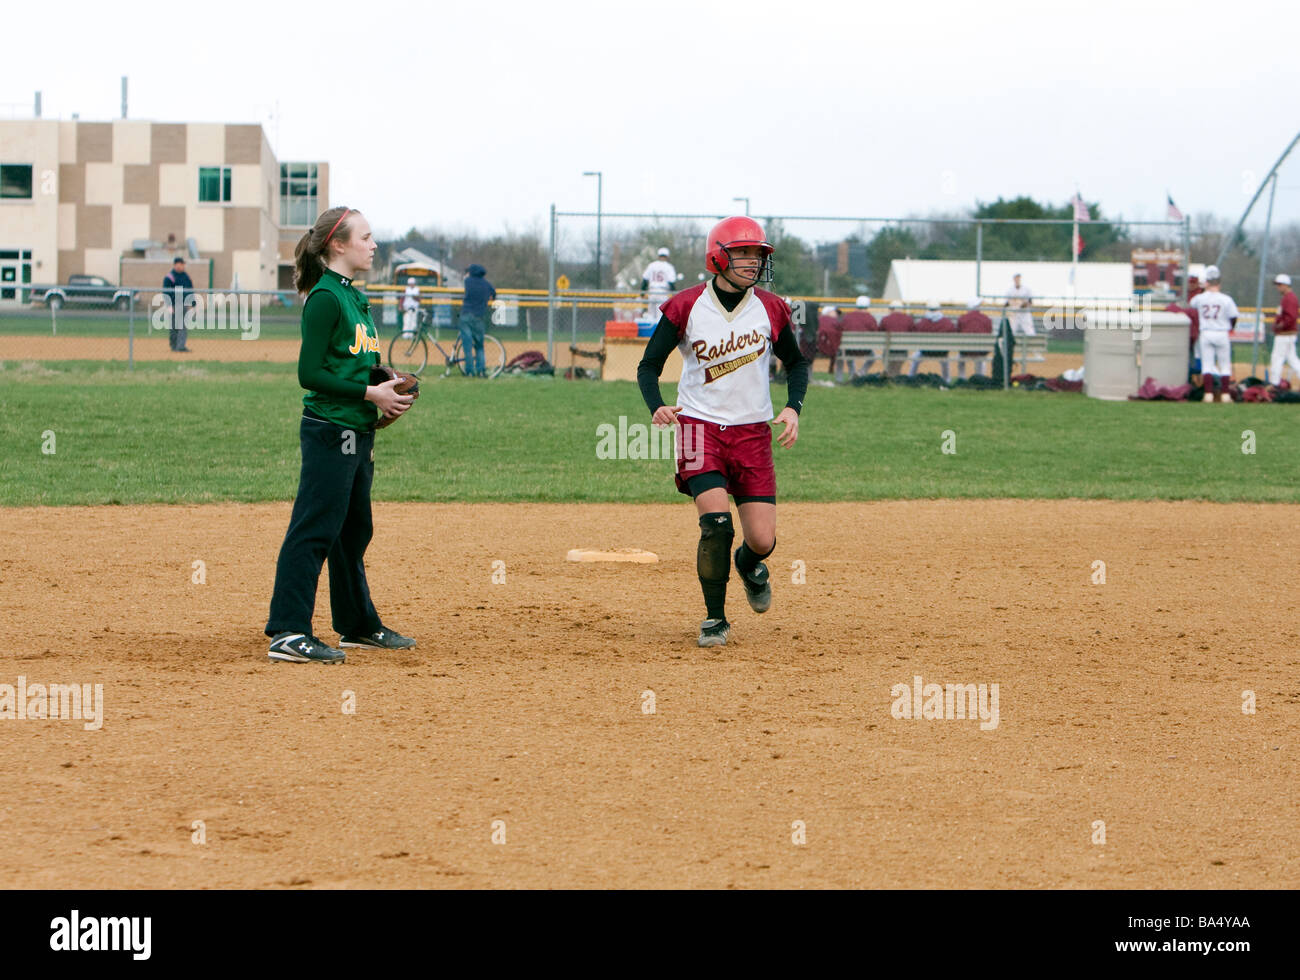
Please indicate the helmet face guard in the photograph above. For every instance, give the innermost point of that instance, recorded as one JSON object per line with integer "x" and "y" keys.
{"x": 734, "y": 233}
{"x": 763, "y": 275}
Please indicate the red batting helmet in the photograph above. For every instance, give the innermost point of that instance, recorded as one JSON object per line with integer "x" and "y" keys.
{"x": 736, "y": 232}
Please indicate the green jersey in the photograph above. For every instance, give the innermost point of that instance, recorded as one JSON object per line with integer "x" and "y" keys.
{"x": 339, "y": 347}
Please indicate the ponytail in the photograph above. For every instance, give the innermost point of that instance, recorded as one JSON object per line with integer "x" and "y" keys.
{"x": 310, "y": 254}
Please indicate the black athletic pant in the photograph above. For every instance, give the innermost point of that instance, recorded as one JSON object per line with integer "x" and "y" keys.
{"x": 331, "y": 519}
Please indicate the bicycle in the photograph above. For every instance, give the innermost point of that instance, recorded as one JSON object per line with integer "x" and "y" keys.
{"x": 409, "y": 351}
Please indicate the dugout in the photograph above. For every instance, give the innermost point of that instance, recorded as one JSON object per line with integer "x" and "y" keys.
{"x": 1121, "y": 349}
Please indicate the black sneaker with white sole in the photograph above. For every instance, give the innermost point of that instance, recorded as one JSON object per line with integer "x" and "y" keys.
{"x": 758, "y": 590}
{"x": 299, "y": 648}
{"x": 714, "y": 633}
{"x": 380, "y": 639}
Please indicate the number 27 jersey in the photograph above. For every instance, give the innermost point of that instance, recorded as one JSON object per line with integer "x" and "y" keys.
{"x": 1215, "y": 310}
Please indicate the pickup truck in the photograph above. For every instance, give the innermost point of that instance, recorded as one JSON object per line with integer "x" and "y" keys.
{"x": 87, "y": 291}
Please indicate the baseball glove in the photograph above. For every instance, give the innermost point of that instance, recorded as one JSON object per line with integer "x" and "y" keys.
{"x": 408, "y": 384}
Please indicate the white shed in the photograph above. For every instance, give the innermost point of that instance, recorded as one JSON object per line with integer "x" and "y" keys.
{"x": 916, "y": 281}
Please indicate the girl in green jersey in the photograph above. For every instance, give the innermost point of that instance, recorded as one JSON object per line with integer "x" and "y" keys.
{"x": 331, "y": 514}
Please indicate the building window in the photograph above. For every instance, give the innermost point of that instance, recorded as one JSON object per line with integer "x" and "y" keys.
{"x": 16, "y": 181}
{"x": 298, "y": 194}
{"x": 214, "y": 185}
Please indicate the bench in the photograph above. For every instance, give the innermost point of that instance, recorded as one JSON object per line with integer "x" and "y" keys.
{"x": 898, "y": 347}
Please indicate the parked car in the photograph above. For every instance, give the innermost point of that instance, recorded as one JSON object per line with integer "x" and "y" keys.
{"x": 84, "y": 290}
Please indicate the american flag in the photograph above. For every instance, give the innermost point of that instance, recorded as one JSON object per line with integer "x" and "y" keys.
{"x": 1080, "y": 208}
{"x": 1173, "y": 214}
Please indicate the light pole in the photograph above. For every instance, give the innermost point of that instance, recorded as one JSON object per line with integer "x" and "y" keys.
{"x": 600, "y": 180}
{"x": 746, "y": 200}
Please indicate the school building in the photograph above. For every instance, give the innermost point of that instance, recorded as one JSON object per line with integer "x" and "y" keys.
{"x": 121, "y": 199}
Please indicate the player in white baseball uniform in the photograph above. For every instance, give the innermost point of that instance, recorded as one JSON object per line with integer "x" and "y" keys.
{"x": 658, "y": 283}
{"x": 727, "y": 331}
{"x": 1018, "y": 300}
{"x": 1218, "y": 315}
{"x": 410, "y": 306}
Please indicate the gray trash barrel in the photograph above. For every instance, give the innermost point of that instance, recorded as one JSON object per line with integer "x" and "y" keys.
{"x": 1121, "y": 350}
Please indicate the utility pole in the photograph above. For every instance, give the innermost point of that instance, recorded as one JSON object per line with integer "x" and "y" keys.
{"x": 600, "y": 180}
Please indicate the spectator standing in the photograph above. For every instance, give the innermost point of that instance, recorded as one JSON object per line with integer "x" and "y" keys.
{"x": 473, "y": 319}
{"x": 178, "y": 293}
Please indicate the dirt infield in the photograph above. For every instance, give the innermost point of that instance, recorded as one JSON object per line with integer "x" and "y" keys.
{"x": 154, "y": 348}
{"x": 526, "y": 702}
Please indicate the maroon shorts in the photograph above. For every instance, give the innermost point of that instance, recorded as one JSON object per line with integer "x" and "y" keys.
{"x": 741, "y": 453}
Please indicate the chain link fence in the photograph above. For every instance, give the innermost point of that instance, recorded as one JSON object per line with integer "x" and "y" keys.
{"x": 597, "y": 263}
{"x": 833, "y": 261}
{"x": 108, "y": 323}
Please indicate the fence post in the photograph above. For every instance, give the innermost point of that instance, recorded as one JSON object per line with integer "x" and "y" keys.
{"x": 979, "y": 255}
{"x": 550, "y": 296}
{"x": 130, "y": 333}
{"x": 574, "y": 339}
{"x": 1259, "y": 291}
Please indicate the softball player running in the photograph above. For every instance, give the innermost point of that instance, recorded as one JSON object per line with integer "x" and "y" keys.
{"x": 726, "y": 331}
{"x": 331, "y": 514}
{"x": 1217, "y": 315}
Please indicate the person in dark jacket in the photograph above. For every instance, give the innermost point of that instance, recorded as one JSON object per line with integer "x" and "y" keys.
{"x": 178, "y": 294}
{"x": 473, "y": 319}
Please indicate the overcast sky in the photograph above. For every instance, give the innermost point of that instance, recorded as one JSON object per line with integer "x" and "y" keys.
{"x": 481, "y": 115}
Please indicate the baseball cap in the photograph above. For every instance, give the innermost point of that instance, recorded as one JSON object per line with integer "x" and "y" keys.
{"x": 973, "y": 304}
{"x": 1212, "y": 272}
{"x": 1282, "y": 279}
{"x": 896, "y": 304}
{"x": 664, "y": 252}
{"x": 863, "y": 302}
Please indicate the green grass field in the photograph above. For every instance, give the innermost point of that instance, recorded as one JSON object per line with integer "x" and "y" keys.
{"x": 207, "y": 431}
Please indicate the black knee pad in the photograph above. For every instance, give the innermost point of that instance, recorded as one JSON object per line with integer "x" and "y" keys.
{"x": 713, "y": 560}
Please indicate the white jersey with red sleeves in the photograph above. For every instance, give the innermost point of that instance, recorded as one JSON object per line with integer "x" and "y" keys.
{"x": 660, "y": 277}
{"x": 1215, "y": 309}
{"x": 726, "y": 356}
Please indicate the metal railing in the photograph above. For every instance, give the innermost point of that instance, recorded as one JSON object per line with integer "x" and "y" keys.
{"x": 253, "y": 325}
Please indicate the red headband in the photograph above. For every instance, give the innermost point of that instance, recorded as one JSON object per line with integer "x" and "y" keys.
{"x": 346, "y": 212}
